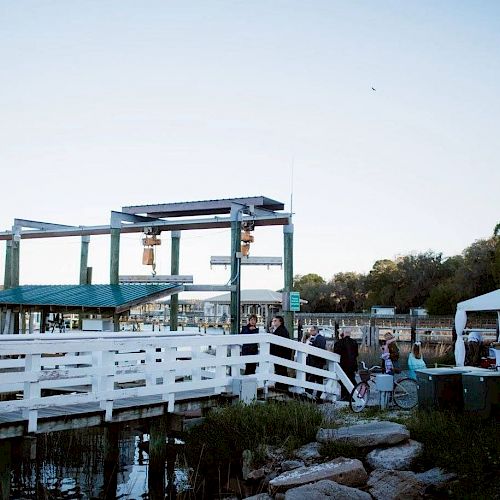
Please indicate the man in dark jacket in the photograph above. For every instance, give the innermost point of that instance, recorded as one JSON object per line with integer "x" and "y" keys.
{"x": 250, "y": 349}
{"x": 316, "y": 339}
{"x": 278, "y": 328}
{"x": 347, "y": 348}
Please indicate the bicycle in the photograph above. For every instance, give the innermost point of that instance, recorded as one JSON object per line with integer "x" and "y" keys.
{"x": 404, "y": 390}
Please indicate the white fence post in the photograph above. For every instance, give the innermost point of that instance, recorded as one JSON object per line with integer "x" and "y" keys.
{"x": 300, "y": 374}
{"x": 220, "y": 370}
{"x": 265, "y": 368}
{"x": 32, "y": 389}
{"x": 169, "y": 359}
{"x": 235, "y": 369}
{"x": 103, "y": 363}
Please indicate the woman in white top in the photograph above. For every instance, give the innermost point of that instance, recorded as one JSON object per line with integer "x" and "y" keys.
{"x": 415, "y": 361}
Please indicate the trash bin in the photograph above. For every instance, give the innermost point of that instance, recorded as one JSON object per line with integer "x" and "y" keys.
{"x": 482, "y": 393}
{"x": 440, "y": 389}
{"x": 384, "y": 384}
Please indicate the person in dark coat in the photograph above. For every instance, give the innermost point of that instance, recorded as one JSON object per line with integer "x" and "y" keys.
{"x": 250, "y": 349}
{"x": 347, "y": 349}
{"x": 315, "y": 339}
{"x": 300, "y": 330}
{"x": 278, "y": 328}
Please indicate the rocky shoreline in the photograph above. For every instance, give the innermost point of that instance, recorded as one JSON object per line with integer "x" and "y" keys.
{"x": 384, "y": 473}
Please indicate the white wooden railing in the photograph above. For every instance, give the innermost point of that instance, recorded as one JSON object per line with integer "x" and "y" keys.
{"x": 103, "y": 368}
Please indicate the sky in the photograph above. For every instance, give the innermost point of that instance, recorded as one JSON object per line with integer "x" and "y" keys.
{"x": 380, "y": 117}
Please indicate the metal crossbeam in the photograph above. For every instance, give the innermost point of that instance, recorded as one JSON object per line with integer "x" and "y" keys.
{"x": 164, "y": 278}
{"x": 221, "y": 260}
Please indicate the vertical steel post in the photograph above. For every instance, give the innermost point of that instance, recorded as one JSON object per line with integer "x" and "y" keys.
{"x": 174, "y": 269}
{"x": 114, "y": 261}
{"x": 288, "y": 273}
{"x": 84, "y": 257}
{"x": 235, "y": 267}
{"x": 16, "y": 243}
{"x": 8, "y": 264}
{"x": 14, "y": 276}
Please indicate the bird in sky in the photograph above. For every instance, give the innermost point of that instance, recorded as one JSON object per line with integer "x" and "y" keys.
{"x": 374, "y": 89}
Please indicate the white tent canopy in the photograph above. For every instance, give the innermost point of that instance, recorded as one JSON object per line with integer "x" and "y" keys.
{"x": 487, "y": 302}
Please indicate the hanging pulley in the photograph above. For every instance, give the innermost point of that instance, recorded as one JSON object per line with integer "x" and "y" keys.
{"x": 150, "y": 242}
{"x": 246, "y": 237}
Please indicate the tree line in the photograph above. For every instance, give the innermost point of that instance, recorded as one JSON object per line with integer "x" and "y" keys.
{"x": 415, "y": 280}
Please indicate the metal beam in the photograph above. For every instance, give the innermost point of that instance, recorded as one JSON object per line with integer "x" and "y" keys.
{"x": 162, "y": 225}
{"x": 221, "y": 260}
{"x": 34, "y": 224}
{"x": 206, "y": 207}
{"x": 209, "y": 288}
{"x": 164, "y": 278}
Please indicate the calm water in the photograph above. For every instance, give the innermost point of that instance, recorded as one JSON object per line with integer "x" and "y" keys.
{"x": 86, "y": 464}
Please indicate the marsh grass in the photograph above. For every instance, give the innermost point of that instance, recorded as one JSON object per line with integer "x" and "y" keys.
{"x": 462, "y": 444}
{"x": 440, "y": 354}
{"x": 229, "y": 430}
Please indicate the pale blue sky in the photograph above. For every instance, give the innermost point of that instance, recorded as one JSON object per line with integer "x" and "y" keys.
{"x": 112, "y": 103}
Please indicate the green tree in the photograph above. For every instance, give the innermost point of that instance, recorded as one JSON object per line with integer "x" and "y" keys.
{"x": 477, "y": 274}
{"x": 315, "y": 290}
{"x": 348, "y": 292}
{"x": 381, "y": 283}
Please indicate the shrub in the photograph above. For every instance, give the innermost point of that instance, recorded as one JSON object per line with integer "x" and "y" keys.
{"x": 463, "y": 444}
{"x": 227, "y": 431}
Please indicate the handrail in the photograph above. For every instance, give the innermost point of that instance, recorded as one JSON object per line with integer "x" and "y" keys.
{"x": 101, "y": 365}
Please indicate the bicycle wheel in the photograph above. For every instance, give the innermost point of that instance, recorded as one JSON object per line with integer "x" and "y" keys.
{"x": 405, "y": 393}
{"x": 359, "y": 397}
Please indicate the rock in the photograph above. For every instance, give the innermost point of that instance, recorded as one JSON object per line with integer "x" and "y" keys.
{"x": 291, "y": 464}
{"x": 273, "y": 474}
{"x": 324, "y": 490}
{"x": 370, "y": 434}
{"x": 308, "y": 452}
{"x": 274, "y": 453}
{"x": 342, "y": 470}
{"x": 260, "y": 496}
{"x": 395, "y": 485}
{"x": 256, "y": 474}
{"x": 398, "y": 457}
{"x": 435, "y": 477}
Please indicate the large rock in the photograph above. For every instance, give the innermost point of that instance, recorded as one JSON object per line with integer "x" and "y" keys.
{"x": 435, "y": 477}
{"x": 399, "y": 457}
{"x": 342, "y": 470}
{"x": 308, "y": 452}
{"x": 324, "y": 490}
{"x": 370, "y": 434}
{"x": 260, "y": 496}
{"x": 395, "y": 485}
{"x": 291, "y": 464}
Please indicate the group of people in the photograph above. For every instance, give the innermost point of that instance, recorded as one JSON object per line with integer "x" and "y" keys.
{"x": 345, "y": 347}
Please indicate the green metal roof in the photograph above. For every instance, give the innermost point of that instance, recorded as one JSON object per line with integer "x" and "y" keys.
{"x": 117, "y": 297}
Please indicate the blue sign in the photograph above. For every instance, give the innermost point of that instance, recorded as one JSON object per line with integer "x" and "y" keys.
{"x": 295, "y": 301}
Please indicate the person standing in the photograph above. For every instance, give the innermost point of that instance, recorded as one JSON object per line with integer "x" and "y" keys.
{"x": 250, "y": 349}
{"x": 393, "y": 350}
{"x": 278, "y": 328}
{"x": 347, "y": 349}
{"x": 300, "y": 330}
{"x": 474, "y": 344}
{"x": 315, "y": 339}
{"x": 415, "y": 361}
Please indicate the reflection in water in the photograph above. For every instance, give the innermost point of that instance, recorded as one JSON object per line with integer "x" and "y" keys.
{"x": 105, "y": 462}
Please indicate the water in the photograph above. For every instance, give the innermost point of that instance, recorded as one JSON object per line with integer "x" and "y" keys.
{"x": 87, "y": 464}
